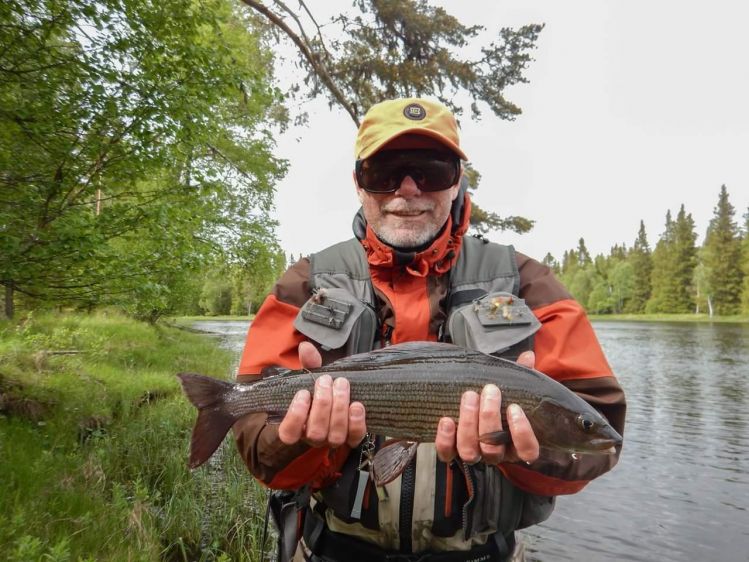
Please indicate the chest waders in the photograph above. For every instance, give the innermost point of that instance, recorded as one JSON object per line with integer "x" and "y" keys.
{"x": 483, "y": 312}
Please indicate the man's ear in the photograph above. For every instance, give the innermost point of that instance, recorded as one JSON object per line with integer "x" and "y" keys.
{"x": 456, "y": 188}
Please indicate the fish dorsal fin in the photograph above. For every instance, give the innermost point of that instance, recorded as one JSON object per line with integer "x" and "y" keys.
{"x": 392, "y": 460}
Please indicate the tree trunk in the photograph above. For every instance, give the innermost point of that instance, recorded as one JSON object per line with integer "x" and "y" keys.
{"x": 710, "y": 306}
{"x": 9, "y": 311}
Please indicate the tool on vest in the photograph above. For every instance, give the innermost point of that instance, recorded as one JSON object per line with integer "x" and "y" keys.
{"x": 363, "y": 473}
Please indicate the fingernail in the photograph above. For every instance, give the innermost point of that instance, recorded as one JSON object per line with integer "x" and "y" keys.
{"x": 356, "y": 411}
{"x": 515, "y": 412}
{"x": 340, "y": 385}
{"x": 470, "y": 399}
{"x": 300, "y": 397}
{"x": 322, "y": 385}
{"x": 489, "y": 396}
{"x": 444, "y": 425}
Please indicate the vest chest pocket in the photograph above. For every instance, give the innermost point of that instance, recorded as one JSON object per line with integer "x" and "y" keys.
{"x": 334, "y": 318}
{"x": 493, "y": 323}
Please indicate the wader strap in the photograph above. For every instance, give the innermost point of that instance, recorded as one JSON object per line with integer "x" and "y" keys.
{"x": 327, "y": 545}
{"x": 288, "y": 510}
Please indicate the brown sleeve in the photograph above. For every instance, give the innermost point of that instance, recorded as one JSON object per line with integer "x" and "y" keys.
{"x": 272, "y": 341}
{"x": 260, "y": 448}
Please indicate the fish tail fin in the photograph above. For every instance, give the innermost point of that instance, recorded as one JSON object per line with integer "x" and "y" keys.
{"x": 214, "y": 421}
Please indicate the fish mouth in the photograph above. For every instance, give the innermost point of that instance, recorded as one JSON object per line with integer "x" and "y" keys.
{"x": 604, "y": 444}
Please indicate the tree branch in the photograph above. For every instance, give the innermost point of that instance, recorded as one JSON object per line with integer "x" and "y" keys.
{"x": 309, "y": 56}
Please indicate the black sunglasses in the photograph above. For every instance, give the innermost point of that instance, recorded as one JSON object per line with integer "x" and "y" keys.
{"x": 432, "y": 170}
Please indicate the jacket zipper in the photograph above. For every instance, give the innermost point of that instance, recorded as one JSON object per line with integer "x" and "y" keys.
{"x": 470, "y": 486}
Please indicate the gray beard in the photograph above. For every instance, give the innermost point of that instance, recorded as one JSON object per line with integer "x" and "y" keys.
{"x": 410, "y": 242}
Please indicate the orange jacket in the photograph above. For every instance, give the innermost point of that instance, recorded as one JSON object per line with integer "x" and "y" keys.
{"x": 411, "y": 299}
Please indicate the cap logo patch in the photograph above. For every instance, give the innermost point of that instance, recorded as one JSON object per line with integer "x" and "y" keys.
{"x": 414, "y": 112}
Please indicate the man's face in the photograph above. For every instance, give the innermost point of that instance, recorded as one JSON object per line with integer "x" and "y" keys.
{"x": 408, "y": 217}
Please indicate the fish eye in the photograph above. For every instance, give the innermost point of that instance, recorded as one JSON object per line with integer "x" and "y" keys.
{"x": 586, "y": 423}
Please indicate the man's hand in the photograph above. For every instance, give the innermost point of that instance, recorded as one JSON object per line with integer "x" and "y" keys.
{"x": 328, "y": 420}
{"x": 481, "y": 414}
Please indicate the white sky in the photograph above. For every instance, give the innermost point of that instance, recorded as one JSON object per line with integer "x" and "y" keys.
{"x": 632, "y": 108}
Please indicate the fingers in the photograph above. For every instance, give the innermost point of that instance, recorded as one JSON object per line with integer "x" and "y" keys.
{"x": 445, "y": 440}
{"x": 490, "y": 421}
{"x": 524, "y": 441}
{"x": 481, "y": 415}
{"x": 339, "y": 413}
{"x": 467, "y": 441}
{"x": 357, "y": 426}
{"x": 309, "y": 356}
{"x": 325, "y": 419}
{"x": 527, "y": 359}
{"x": 292, "y": 426}
{"x": 318, "y": 421}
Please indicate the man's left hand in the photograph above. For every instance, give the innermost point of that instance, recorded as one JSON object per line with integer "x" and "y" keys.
{"x": 480, "y": 415}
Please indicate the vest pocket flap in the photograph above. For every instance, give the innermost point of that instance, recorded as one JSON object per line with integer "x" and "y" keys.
{"x": 329, "y": 316}
{"x": 502, "y": 309}
{"x": 493, "y": 323}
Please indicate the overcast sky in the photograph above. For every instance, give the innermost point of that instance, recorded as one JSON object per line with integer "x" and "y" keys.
{"x": 632, "y": 108}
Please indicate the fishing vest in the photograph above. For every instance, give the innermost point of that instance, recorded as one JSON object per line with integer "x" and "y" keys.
{"x": 468, "y": 505}
{"x": 484, "y": 312}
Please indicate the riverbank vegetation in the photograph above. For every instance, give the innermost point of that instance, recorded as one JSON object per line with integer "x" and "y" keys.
{"x": 137, "y": 139}
{"x": 94, "y": 437}
{"x": 676, "y": 277}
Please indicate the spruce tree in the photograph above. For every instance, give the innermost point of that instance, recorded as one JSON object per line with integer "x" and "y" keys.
{"x": 745, "y": 265}
{"x": 583, "y": 256}
{"x": 685, "y": 256}
{"x": 674, "y": 262}
{"x": 662, "y": 262}
{"x": 640, "y": 259}
{"x": 721, "y": 257}
{"x": 552, "y": 263}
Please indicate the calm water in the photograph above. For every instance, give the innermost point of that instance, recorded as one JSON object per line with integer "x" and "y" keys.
{"x": 681, "y": 489}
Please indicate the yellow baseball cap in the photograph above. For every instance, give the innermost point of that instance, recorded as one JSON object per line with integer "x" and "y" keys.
{"x": 390, "y": 119}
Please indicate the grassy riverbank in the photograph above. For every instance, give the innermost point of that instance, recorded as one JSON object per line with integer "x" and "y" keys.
{"x": 94, "y": 435}
{"x": 672, "y": 318}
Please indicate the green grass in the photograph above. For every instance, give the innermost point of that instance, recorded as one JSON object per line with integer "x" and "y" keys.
{"x": 740, "y": 319}
{"x": 93, "y": 447}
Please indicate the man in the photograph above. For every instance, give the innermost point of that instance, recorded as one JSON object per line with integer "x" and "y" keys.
{"x": 422, "y": 279}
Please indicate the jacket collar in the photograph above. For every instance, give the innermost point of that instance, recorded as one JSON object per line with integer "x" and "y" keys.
{"x": 438, "y": 258}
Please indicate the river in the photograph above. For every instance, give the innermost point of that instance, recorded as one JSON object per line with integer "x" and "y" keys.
{"x": 681, "y": 489}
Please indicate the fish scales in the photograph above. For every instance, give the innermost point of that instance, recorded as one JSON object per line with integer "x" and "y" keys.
{"x": 406, "y": 389}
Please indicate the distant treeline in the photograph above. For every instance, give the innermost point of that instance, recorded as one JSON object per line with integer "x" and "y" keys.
{"x": 677, "y": 276}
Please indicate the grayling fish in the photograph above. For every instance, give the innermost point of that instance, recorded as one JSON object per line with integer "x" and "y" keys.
{"x": 406, "y": 389}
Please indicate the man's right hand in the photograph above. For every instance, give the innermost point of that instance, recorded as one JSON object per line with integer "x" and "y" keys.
{"x": 328, "y": 420}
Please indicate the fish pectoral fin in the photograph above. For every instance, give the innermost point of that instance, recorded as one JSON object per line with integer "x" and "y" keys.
{"x": 500, "y": 437}
{"x": 390, "y": 461}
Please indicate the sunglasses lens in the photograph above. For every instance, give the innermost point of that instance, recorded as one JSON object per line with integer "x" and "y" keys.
{"x": 432, "y": 170}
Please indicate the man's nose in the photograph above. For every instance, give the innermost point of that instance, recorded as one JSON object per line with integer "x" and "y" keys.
{"x": 408, "y": 188}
